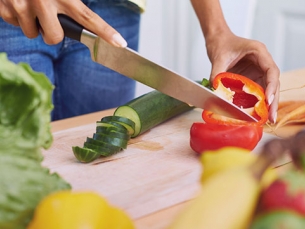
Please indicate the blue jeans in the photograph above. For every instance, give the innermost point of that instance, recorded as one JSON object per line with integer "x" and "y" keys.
{"x": 81, "y": 86}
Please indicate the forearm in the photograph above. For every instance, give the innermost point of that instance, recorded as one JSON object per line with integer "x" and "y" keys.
{"x": 210, "y": 17}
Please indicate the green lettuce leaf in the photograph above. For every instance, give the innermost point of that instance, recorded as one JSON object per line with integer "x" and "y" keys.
{"x": 23, "y": 184}
{"x": 25, "y": 128}
{"x": 25, "y": 107}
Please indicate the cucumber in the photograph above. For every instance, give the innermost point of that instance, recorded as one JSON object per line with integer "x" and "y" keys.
{"x": 84, "y": 154}
{"x": 127, "y": 123}
{"x": 102, "y": 129}
{"x": 151, "y": 109}
{"x": 92, "y": 141}
{"x": 103, "y": 151}
{"x": 111, "y": 124}
{"x": 130, "y": 120}
{"x": 114, "y": 134}
{"x": 111, "y": 140}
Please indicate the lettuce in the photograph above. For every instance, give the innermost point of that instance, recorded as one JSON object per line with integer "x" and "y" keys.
{"x": 25, "y": 107}
{"x": 25, "y": 128}
{"x": 24, "y": 183}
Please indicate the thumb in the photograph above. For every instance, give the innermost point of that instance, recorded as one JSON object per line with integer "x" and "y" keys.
{"x": 217, "y": 68}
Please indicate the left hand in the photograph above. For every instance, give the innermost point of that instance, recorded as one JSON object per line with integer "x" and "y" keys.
{"x": 230, "y": 53}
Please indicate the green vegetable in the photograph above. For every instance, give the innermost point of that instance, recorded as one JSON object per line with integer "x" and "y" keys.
{"x": 111, "y": 140}
{"x": 112, "y": 135}
{"x": 127, "y": 123}
{"x": 151, "y": 109}
{"x": 206, "y": 83}
{"x": 23, "y": 184}
{"x": 130, "y": 120}
{"x": 85, "y": 154}
{"x": 92, "y": 141}
{"x": 278, "y": 219}
{"x": 25, "y": 106}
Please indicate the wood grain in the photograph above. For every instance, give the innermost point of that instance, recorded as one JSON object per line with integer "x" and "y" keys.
{"x": 156, "y": 171}
{"x": 156, "y": 176}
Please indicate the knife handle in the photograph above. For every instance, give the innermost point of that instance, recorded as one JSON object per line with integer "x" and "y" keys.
{"x": 71, "y": 28}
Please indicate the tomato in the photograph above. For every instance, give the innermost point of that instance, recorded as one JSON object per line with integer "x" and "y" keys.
{"x": 206, "y": 136}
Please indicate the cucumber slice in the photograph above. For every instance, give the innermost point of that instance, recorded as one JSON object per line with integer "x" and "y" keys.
{"x": 85, "y": 155}
{"x": 103, "y": 144}
{"x": 111, "y": 124}
{"x": 126, "y": 122}
{"x": 103, "y": 151}
{"x": 110, "y": 128}
{"x": 114, "y": 134}
{"x": 111, "y": 140}
{"x": 151, "y": 109}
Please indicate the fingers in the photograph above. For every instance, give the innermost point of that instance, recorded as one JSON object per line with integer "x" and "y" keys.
{"x": 19, "y": 14}
{"x": 272, "y": 92}
{"x": 91, "y": 21}
{"x": 23, "y": 13}
{"x": 50, "y": 27}
{"x": 217, "y": 67}
{"x": 272, "y": 74}
{"x": 274, "y": 107}
{"x": 7, "y": 15}
{"x": 26, "y": 21}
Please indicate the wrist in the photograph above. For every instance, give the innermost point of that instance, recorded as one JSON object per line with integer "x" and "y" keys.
{"x": 216, "y": 30}
{"x": 211, "y": 18}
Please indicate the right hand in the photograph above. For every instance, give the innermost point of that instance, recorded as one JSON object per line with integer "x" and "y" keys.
{"x": 23, "y": 13}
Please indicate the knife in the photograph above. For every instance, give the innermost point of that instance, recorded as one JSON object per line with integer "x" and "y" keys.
{"x": 131, "y": 64}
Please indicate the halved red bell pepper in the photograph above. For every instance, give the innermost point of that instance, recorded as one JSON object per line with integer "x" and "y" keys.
{"x": 207, "y": 136}
{"x": 244, "y": 93}
{"x": 218, "y": 131}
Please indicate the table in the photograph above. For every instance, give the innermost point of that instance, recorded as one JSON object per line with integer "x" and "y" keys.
{"x": 160, "y": 182}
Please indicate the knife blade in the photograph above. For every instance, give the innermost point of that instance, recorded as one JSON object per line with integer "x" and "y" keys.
{"x": 131, "y": 64}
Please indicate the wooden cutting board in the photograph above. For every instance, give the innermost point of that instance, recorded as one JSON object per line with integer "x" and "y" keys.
{"x": 157, "y": 170}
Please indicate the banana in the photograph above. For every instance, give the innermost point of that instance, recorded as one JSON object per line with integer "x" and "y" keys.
{"x": 228, "y": 199}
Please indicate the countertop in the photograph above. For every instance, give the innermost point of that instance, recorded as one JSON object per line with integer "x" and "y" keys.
{"x": 158, "y": 173}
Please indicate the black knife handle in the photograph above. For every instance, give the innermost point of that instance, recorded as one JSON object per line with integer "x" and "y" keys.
{"x": 71, "y": 28}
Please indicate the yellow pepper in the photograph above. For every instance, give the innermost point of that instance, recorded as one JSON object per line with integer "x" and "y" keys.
{"x": 215, "y": 161}
{"x": 78, "y": 210}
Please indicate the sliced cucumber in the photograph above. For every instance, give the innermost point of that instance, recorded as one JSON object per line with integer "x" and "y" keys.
{"x": 126, "y": 122}
{"x": 103, "y": 151}
{"x": 114, "y": 134}
{"x": 151, "y": 109}
{"x": 84, "y": 154}
{"x": 111, "y": 140}
{"x": 111, "y": 124}
{"x": 110, "y": 128}
{"x": 103, "y": 144}
{"x": 130, "y": 120}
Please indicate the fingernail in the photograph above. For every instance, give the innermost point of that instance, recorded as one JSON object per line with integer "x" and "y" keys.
{"x": 270, "y": 99}
{"x": 119, "y": 41}
{"x": 274, "y": 118}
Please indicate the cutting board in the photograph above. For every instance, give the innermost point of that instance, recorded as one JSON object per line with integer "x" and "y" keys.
{"x": 157, "y": 170}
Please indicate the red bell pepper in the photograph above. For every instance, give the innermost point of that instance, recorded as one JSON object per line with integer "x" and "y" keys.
{"x": 246, "y": 94}
{"x": 218, "y": 131}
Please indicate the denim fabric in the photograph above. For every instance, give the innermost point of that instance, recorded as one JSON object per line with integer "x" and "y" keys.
{"x": 123, "y": 3}
{"x": 81, "y": 86}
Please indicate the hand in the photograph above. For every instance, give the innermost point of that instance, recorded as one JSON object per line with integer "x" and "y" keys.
{"x": 23, "y": 13}
{"x": 250, "y": 58}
